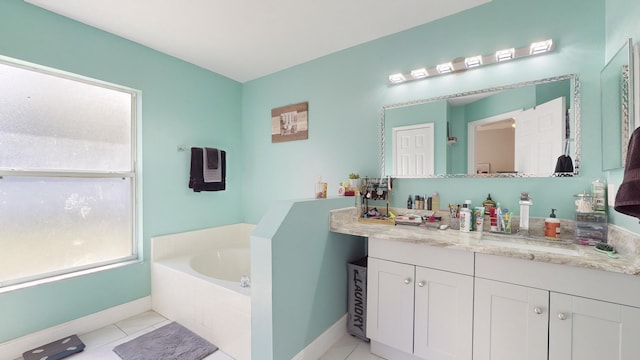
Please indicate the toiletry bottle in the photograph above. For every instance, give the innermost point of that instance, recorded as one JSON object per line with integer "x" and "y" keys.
{"x": 599, "y": 193}
{"x": 488, "y": 204}
{"x": 321, "y": 189}
{"x": 409, "y": 203}
{"x": 478, "y": 217}
{"x": 465, "y": 219}
{"x": 493, "y": 219}
{"x": 435, "y": 202}
{"x": 552, "y": 226}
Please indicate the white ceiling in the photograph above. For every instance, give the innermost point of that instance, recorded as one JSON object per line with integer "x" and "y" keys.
{"x": 247, "y": 39}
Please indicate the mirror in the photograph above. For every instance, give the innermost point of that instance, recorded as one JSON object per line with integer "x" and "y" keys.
{"x": 517, "y": 130}
{"x": 616, "y": 95}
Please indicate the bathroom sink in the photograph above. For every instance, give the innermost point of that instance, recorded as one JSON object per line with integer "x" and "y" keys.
{"x": 544, "y": 246}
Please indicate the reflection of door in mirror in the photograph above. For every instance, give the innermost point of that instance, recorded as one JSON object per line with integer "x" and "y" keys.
{"x": 492, "y": 141}
{"x": 539, "y": 137}
{"x": 523, "y": 141}
{"x": 413, "y": 150}
{"x": 495, "y": 147}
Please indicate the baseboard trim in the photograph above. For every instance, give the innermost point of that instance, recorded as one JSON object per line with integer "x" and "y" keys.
{"x": 324, "y": 342}
{"x": 13, "y": 349}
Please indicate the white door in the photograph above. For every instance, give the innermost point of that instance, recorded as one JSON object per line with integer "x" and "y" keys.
{"x": 413, "y": 150}
{"x": 390, "y": 303}
{"x": 539, "y": 137}
{"x": 443, "y": 315}
{"x": 510, "y": 322}
{"x": 587, "y": 329}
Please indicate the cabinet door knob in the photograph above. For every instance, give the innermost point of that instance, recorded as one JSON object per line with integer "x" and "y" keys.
{"x": 537, "y": 310}
{"x": 562, "y": 316}
{"x": 421, "y": 283}
{"x": 407, "y": 281}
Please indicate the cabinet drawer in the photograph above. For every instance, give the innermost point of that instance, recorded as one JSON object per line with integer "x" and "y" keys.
{"x": 416, "y": 253}
{"x": 595, "y": 284}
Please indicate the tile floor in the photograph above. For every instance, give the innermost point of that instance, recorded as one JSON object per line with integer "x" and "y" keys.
{"x": 349, "y": 348}
{"x": 100, "y": 343}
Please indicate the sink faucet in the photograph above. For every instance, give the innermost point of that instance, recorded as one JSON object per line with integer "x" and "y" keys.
{"x": 525, "y": 203}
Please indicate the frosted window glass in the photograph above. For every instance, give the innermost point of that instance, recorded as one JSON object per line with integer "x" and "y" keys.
{"x": 53, "y": 224}
{"x": 59, "y": 211}
{"x": 53, "y": 123}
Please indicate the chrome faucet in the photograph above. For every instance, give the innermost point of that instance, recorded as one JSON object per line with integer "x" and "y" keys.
{"x": 525, "y": 203}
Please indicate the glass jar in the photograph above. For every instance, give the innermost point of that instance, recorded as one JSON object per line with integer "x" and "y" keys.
{"x": 584, "y": 203}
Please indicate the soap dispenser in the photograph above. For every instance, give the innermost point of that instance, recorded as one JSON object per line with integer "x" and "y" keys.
{"x": 488, "y": 204}
{"x": 552, "y": 226}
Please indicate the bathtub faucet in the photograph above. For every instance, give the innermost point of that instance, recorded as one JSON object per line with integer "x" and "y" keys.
{"x": 244, "y": 281}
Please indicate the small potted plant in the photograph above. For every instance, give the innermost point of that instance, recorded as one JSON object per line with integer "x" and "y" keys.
{"x": 353, "y": 181}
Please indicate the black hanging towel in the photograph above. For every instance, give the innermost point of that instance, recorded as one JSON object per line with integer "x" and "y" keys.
{"x": 196, "y": 178}
{"x": 564, "y": 165}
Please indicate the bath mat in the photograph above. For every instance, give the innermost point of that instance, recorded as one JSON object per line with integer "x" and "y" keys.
{"x": 170, "y": 342}
{"x": 56, "y": 350}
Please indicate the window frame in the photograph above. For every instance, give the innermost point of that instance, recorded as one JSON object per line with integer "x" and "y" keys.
{"x": 133, "y": 174}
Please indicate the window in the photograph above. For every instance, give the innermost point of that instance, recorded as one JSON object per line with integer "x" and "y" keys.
{"x": 67, "y": 173}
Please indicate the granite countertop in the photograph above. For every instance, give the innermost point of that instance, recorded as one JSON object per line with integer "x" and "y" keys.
{"x": 345, "y": 221}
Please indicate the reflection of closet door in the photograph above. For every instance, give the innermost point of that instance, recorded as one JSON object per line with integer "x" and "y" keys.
{"x": 413, "y": 150}
{"x": 539, "y": 136}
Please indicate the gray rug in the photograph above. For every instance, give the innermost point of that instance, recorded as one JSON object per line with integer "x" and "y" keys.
{"x": 170, "y": 342}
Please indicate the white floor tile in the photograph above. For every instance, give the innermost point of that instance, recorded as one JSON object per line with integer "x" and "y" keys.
{"x": 139, "y": 322}
{"x": 363, "y": 352}
{"x": 102, "y": 336}
{"x": 218, "y": 355}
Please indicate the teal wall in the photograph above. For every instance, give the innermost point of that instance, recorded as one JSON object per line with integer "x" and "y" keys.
{"x": 506, "y": 101}
{"x": 346, "y": 91}
{"x": 306, "y": 265}
{"x": 181, "y": 105}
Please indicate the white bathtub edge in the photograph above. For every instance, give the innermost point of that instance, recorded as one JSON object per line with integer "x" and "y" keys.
{"x": 324, "y": 342}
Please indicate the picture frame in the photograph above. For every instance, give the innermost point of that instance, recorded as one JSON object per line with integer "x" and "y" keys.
{"x": 290, "y": 123}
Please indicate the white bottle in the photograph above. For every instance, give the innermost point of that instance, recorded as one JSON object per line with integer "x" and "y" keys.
{"x": 466, "y": 218}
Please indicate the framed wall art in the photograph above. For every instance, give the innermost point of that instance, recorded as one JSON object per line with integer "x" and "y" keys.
{"x": 289, "y": 123}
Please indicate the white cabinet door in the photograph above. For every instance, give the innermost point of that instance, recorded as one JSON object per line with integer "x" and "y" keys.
{"x": 510, "y": 322}
{"x": 587, "y": 329}
{"x": 443, "y": 315}
{"x": 390, "y": 294}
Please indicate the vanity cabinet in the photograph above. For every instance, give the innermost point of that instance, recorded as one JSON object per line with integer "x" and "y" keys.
{"x": 415, "y": 311}
{"x": 588, "y": 329}
{"x": 512, "y": 321}
{"x": 427, "y": 302}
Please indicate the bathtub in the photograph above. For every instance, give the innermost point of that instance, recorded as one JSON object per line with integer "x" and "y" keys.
{"x": 196, "y": 281}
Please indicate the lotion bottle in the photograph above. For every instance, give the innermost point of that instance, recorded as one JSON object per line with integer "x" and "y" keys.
{"x": 552, "y": 226}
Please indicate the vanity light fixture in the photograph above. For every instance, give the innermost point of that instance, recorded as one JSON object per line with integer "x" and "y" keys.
{"x": 540, "y": 47}
{"x": 461, "y": 64}
{"x": 506, "y": 54}
{"x": 397, "y": 78}
{"x": 419, "y": 73}
{"x": 473, "y": 61}
{"x": 445, "y": 68}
